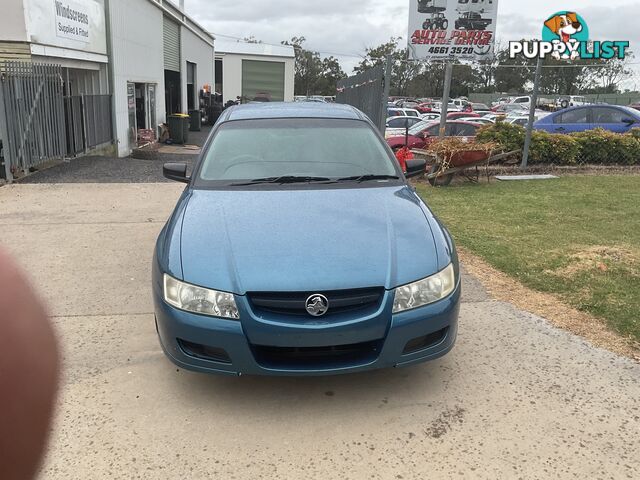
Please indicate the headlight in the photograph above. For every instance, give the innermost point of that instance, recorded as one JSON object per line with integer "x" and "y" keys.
{"x": 199, "y": 300}
{"x": 426, "y": 291}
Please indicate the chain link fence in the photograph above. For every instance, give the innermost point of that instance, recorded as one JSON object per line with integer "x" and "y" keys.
{"x": 600, "y": 129}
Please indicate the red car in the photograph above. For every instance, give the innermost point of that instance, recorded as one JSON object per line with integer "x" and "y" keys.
{"x": 635, "y": 106}
{"x": 457, "y": 115}
{"x": 425, "y": 107}
{"x": 422, "y": 136}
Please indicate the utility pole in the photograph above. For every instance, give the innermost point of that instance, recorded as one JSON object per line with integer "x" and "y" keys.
{"x": 448, "y": 76}
{"x": 385, "y": 95}
{"x": 532, "y": 115}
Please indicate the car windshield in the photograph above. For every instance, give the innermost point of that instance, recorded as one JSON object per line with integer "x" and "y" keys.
{"x": 418, "y": 127}
{"x": 309, "y": 149}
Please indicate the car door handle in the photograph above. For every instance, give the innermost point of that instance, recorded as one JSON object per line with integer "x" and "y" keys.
{"x": 560, "y": 129}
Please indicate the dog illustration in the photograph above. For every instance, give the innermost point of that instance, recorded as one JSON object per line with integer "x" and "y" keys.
{"x": 565, "y": 26}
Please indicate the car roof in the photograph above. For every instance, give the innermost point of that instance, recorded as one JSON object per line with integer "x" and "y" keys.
{"x": 261, "y": 111}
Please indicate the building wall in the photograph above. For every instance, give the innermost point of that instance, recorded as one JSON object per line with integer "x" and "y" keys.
{"x": 137, "y": 56}
{"x": 194, "y": 50}
{"x": 232, "y": 74}
{"x": 13, "y": 26}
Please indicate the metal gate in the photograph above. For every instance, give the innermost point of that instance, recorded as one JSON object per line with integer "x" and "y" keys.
{"x": 31, "y": 115}
{"x": 368, "y": 92}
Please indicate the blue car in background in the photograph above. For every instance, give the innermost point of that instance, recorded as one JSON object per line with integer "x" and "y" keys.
{"x": 578, "y": 119}
{"x": 299, "y": 248}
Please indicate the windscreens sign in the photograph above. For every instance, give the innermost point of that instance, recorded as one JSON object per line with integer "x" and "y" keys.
{"x": 72, "y": 21}
{"x": 452, "y": 29}
{"x": 70, "y": 24}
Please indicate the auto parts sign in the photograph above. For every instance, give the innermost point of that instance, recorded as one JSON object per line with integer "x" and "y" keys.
{"x": 452, "y": 29}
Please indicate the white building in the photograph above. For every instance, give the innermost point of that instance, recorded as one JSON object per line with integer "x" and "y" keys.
{"x": 152, "y": 58}
{"x": 255, "y": 71}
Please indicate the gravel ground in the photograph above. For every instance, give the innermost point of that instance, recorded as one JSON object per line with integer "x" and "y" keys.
{"x": 114, "y": 170}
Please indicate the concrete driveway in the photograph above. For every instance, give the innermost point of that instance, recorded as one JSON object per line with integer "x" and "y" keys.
{"x": 517, "y": 398}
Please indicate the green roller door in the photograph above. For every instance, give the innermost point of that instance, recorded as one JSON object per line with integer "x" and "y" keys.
{"x": 260, "y": 79}
{"x": 171, "y": 40}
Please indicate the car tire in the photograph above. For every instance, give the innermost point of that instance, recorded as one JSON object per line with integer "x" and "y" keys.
{"x": 445, "y": 24}
{"x": 564, "y": 104}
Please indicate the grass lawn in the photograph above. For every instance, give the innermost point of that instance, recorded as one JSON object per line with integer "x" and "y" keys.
{"x": 577, "y": 237}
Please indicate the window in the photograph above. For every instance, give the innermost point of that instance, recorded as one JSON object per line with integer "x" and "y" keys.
{"x": 434, "y": 130}
{"x": 463, "y": 130}
{"x": 398, "y": 123}
{"x": 251, "y": 149}
{"x": 578, "y": 115}
{"x": 608, "y": 115}
{"x": 409, "y": 113}
{"x": 521, "y": 100}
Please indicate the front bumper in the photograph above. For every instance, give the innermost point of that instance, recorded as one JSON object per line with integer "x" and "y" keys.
{"x": 259, "y": 346}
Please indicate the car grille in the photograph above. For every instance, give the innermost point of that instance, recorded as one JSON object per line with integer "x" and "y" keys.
{"x": 321, "y": 358}
{"x": 294, "y": 303}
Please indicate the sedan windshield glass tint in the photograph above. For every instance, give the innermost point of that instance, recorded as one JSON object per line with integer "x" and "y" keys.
{"x": 254, "y": 149}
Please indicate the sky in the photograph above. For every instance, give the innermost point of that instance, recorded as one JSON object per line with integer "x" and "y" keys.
{"x": 345, "y": 28}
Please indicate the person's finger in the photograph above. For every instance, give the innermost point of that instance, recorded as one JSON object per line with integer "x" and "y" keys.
{"x": 28, "y": 374}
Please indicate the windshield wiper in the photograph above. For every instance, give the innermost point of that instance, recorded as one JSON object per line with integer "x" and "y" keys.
{"x": 368, "y": 178}
{"x": 282, "y": 180}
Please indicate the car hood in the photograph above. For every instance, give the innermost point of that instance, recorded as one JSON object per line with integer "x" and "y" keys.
{"x": 306, "y": 240}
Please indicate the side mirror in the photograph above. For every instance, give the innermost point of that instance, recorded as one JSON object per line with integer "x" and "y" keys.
{"x": 628, "y": 121}
{"x": 416, "y": 167}
{"x": 176, "y": 172}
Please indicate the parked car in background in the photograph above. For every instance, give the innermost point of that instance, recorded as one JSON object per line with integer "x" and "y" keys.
{"x": 437, "y": 107}
{"x": 480, "y": 107}
{"x": 635, "y": 106}
{"x": 425, "y": 107}
{"x": 570, "y": 101}
{"x": 477, "y": 120}
{"x": 458, "y": 115}
{"x": 506, "y": 108}
{"x": 578, "y": 119}
{"x": 422, "y": 136}
{"x": 460, "y": 102}
{"x": 410, "y": 104}
{"x": 500, "y": 101}
{"x": 399, "y": 125}
{"x": 431, "y": 117}
{"x": 402, "y": 112}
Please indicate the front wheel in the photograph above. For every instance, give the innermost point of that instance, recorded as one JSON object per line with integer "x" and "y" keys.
{"x": 445, "y": 24}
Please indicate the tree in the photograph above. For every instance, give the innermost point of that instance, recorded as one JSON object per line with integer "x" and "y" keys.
{"x": 308, "y": 67}
{"x": 403, "y": 71}
{"x": 608, "y": 77}
{"x": 331, "y": 74}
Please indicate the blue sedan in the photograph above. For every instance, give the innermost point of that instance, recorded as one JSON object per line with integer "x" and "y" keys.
{"x": 578, "y": 119}
{"x": 299, "y": 248}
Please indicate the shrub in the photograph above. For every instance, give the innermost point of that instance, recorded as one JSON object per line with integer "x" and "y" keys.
{"x": 635, "y": 133}
{"x": 508, "y": 137}
{"x": 607, "y": 148}
{"x": 597, "y": 147}
{"x": 551, "y": 148}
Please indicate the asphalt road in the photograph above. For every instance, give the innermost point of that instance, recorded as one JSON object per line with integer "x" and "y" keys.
{"x": 516, "y": 398}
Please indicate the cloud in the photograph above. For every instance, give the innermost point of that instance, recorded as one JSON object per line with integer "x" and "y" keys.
{"x": 350, "y": 26}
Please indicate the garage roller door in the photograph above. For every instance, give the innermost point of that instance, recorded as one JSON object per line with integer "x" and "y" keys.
{"x": 262, "y": 79}
{"x": 171, "y": 45}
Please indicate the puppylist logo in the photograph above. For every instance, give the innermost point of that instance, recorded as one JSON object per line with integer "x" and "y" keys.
{"x": 565, "y": 35}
